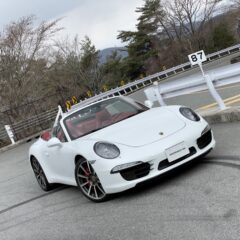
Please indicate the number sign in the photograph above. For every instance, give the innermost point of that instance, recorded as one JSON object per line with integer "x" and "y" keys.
{"x": 197, "y": 57}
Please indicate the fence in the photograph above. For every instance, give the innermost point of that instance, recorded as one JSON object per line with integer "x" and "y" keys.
{"x": 141, "y": 83}
{"x": 219, "y": 77}
{"x": 38, "y": 115}
{"x": 29, "y": 118}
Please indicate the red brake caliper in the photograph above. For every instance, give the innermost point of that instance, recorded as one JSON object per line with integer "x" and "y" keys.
{"x": 87, "y": 173}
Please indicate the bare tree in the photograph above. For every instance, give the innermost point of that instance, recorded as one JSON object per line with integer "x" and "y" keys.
{"x": 174, "y": 28}
{"x": 23, "y": 61}
{"x": 236, "y": 3}
{"x": 185, "y": 21}
{"x": 80, "y": 60}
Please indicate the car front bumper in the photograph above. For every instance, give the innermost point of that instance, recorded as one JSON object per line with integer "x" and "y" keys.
{"x": 154, "y": 164}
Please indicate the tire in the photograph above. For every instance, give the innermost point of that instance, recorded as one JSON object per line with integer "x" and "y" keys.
{"x": 40, "y": 175}
{"x": 88, "y": 182}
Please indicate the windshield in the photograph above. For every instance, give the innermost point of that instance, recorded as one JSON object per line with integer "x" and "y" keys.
{"x": 100, "y": 115}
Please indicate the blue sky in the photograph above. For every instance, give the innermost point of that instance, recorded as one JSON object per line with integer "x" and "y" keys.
{"x": 99, "y": 19}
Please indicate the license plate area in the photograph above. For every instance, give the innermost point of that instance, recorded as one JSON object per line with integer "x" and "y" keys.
{"x": 177, "y": 151}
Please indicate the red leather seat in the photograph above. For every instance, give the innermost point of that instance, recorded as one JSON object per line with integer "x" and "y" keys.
{"x": 103, "y": 118}
{"x": 88, "y": 125}
{"x": 74, "y": 131}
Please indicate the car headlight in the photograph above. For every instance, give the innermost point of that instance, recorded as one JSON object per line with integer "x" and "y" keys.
{"x": 189, "y": 114}
{"x": 106, "y": 150}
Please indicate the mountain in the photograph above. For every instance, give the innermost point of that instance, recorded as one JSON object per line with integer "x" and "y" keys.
{"x": 108, "y": 52}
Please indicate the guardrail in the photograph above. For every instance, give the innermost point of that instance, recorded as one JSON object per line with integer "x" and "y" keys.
{"x": 27, "y": 127}
{"x": 137, "y": 84}
{"x": 219, "y": 77}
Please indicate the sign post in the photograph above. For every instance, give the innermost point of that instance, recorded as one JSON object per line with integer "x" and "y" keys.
{"x": 158, "y": 95}
{"x": 10, "y": 133}
{"x": 198, "y": 58}
{"x": 153, "y": 94}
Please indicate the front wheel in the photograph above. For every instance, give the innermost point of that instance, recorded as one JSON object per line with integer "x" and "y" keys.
{"x": 88, "y": 181}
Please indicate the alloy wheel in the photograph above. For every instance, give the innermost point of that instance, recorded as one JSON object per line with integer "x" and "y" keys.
{"x": 89, "y": 182}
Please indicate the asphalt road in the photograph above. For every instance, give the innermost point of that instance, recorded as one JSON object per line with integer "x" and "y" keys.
{"x": 199, "y": 201}
{"x": 200, "y": 99}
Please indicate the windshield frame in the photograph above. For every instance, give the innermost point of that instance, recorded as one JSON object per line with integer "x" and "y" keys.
{"x": 139, "y": 107}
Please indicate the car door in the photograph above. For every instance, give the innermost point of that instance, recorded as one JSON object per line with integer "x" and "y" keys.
{"x": 61, "y": 158}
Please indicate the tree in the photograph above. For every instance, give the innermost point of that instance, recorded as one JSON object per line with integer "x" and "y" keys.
{"x": 187, "y": 19}
{"x": 236, "y": 3}
{"x": 222, "y": 37}
{"x": 167, "y": 31}
{"x": 79, "y": 63}
{"x": 23, "y": 63}
{"x": 91, "y": 69}
{"x": 138, "y": 53}
{"x": 143, "y": 54}
{"x": 112, "y": 70}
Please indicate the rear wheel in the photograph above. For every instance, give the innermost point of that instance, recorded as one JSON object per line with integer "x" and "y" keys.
{"x": 40, "y": 175}
{"x": 88, "y": 181}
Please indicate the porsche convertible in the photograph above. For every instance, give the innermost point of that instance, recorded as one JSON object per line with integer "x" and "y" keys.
{"x": 114, "y": 144}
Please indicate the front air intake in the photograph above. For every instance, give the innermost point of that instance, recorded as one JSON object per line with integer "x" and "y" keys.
{"x": 204, "y": 140}
{"x": 135, "y": 172}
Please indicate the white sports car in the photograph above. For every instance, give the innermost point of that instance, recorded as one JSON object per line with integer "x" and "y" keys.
{"x": 112, "y": 145}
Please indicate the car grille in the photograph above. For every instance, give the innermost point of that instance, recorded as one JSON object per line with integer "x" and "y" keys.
{"x": 136, "y": 172}
{"x": 165, "y": 163}
{"x": 204, "y": 140}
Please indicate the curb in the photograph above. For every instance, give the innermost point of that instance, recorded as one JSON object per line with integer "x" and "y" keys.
{"x": 228, "y": 115}
{"x": 25, "y": 140}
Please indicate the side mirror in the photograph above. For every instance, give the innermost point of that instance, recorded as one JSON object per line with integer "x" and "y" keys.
{"x": 54, "y": 142}
{"x": 148, "y": 103}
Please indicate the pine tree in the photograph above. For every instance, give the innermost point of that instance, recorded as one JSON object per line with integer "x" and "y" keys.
{"x": 143, "y": 44}
{"x": 112, "y": 70}
{"x": 222, "y": 37}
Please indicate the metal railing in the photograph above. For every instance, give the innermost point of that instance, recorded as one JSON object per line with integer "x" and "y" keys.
{"x": 37, "y": 120}
{"x": 136, "y": 85}
{"x": 27, "y": 127}
{"x": 219, "y": 77}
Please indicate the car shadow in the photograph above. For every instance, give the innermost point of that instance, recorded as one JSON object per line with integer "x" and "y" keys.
{"x": 156, "y": 183}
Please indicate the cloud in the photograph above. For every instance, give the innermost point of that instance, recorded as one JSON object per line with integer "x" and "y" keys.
{"x": 12, "y": 10}
{"x": 101, "y": 20}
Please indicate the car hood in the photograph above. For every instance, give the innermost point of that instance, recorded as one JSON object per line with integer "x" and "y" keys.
{"x": 142, "y": 129}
